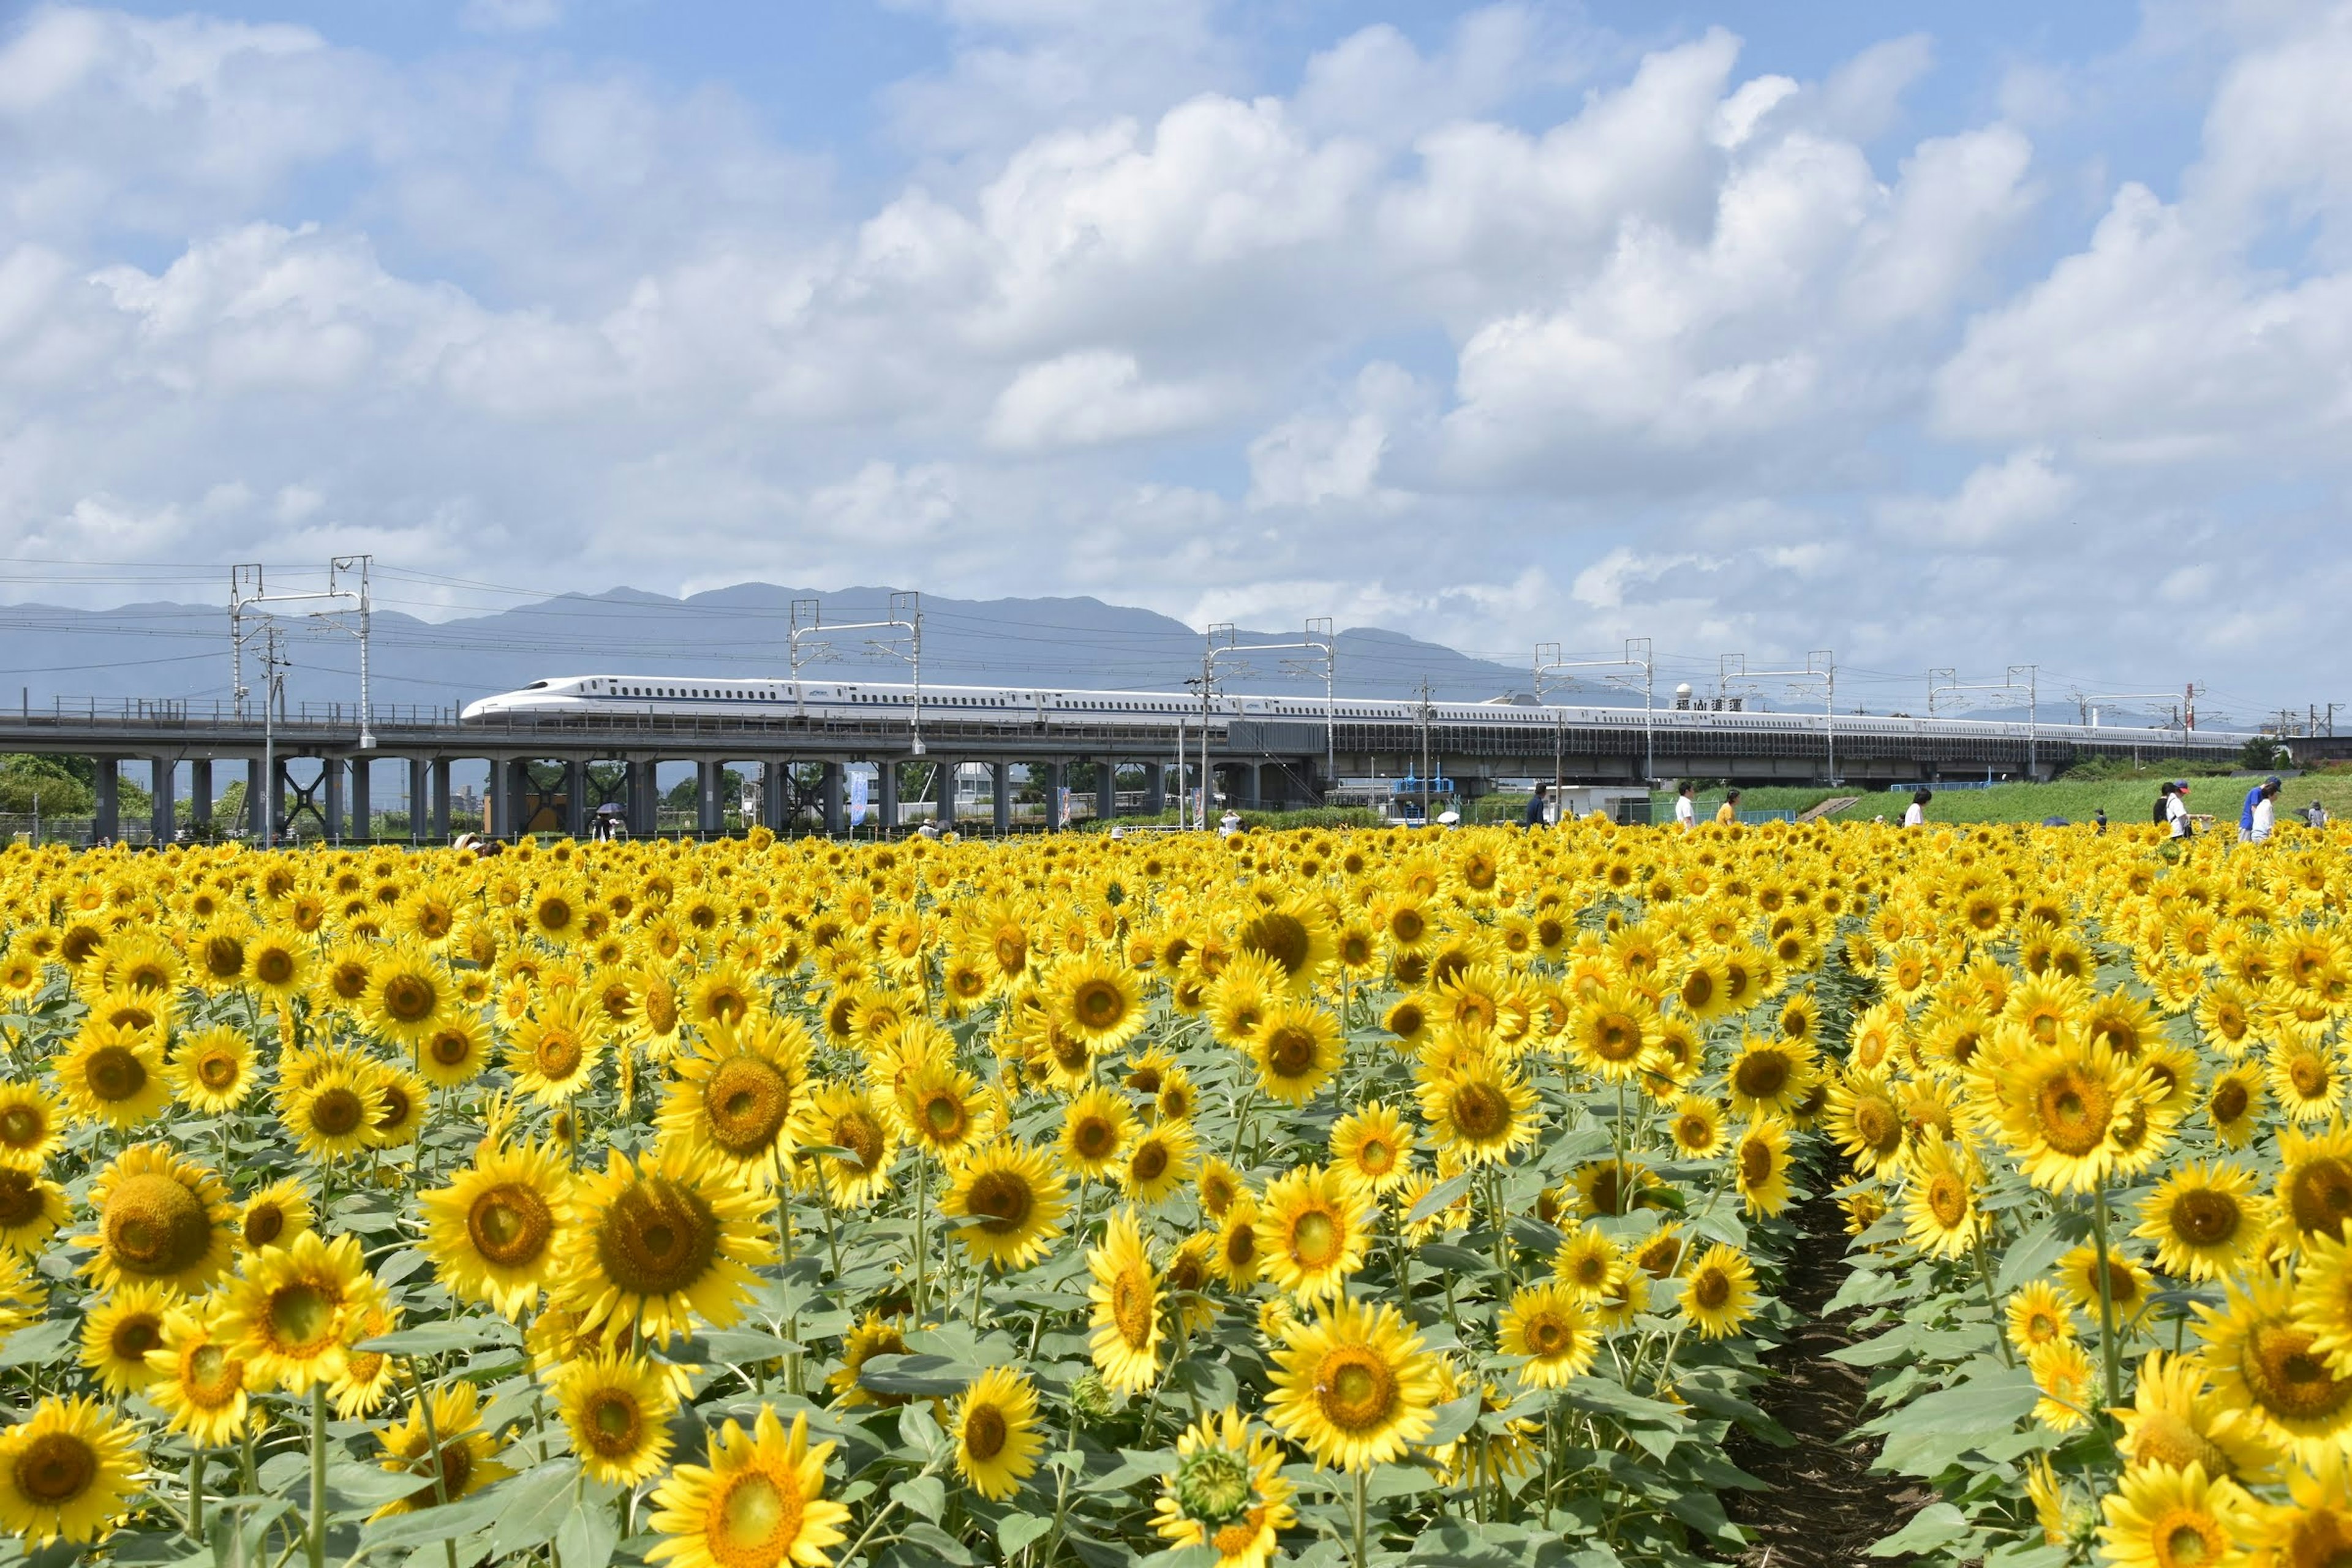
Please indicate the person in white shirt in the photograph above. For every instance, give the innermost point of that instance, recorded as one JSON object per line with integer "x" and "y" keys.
{"x": 2176, "y": 811}
{"x": 2266, "y": 812}
{"x": 1685, "y": 811}
{"x": 1917, "y": 816}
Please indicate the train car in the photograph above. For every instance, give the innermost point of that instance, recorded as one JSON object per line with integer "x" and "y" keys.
{"x": 642, "y": 696}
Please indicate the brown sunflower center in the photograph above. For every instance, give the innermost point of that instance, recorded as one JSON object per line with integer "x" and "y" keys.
{"x": 614, "y": 1422}
{"x": 217, "y": 1070}
{"x": 54, "y": 1469}
{"x": 2076, "y": 1110}
{"x": 1099, "y": 1004}
{"x": 410, "y": 998}
{"x": 2205, "y": 1217}
{"x": 115, "y": 1073}
{"x": 1480, "y": 1111}
{"x": 984, "y": 1431}
{"x": 1947, "y": 1199}
{"x": 301, "y": 1317}
{"x": 746, "y": 1100}
{"x": 1711, "y": 1288}
{"x": 1000, "y": 1201}
{"x": 1878, "y": 1124}
{"x": 338, "y": 1112}
{"x": 510, "y": 1224}
{"x": 2319, "y": 1195}
{"x": 754, "y": 1521}
{"x": 2287, "y": 1379}
{"x": 1290, "y": 1051}
{"x": 1355, "y": 1389}
{"x": 658, "y": 1237}
{"x": 1760, "y": 1074}
{"x": 1284, "y": 937}
{"x": 155, "y": 1226}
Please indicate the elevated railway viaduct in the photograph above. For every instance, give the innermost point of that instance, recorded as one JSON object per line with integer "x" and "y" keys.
{"x": 540, "y": 763}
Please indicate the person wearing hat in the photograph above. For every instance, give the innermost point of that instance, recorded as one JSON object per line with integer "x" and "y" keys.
{"x": 2266, "y": 790}
{"x": 2176, "y": 811}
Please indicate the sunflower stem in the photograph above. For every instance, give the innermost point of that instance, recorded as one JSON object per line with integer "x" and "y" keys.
{"x": 432, "y": 1450}
{"x": 922, "y": 1249}
{"x": 1984, "y": 1272}
{"x": 196, "y": 1495}
{"x": 1359, "y": 1517}
{"x": 318, "y": 1539}
{"x": 2110, "y": 1354}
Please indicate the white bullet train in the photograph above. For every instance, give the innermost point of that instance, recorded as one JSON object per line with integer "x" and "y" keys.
{"x": 640, "y": 696}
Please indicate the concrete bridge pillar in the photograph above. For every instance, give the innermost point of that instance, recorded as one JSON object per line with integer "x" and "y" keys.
{"x": 773, "y": 795}
{"x": 1106, "y": 789}
{"x": 1000, "y": 797}
{"x": 943, "y": 785}
{"x": 1056, "y": 772}
{"x": 513, "y": 808}
{"x": 106, "y": 813}
{"x": 836, "y": 801}
{"x": 437, "y": 790}
{"x": 163, "y": 783}
{"x": 332, "y": 768}
{"x": 1251, "y": 784}
{"x": 575, "y": 798}
{"x": 200, "y": 793}
{"x": 711, "y": 805}
{"x": 888, "y": 805}
{"x": 363, "y": 824}
{"x": 1155, "y": 788}
{"x": 643, "y": 800}
{"x": 256, "y": 800}
{"x": 420, "y": 785}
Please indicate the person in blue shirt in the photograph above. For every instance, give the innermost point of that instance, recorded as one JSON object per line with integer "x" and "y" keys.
{"x": 1535, "y": 813}
{"x": 2253, "y": 797}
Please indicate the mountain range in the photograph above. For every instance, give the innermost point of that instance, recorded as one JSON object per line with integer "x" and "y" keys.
{"x": 60, "y": 655}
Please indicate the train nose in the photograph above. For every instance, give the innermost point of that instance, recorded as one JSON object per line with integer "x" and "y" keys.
{"x": 482, "y": 707}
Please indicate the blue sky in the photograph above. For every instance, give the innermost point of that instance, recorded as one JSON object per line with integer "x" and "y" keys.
{"x": 1940, "y": 335}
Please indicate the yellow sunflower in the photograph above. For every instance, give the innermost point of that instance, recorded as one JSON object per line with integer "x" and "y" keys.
{"x": 1297, "y": 1048}
{"x": 847, "y": 1130}
{"x": 1008, "y": 1201}
{"x": 1480, "y": 1111}
{"x": 759, "y": 1503}
{"x": 617, "y": 1406}
{"x": 1096, "y": 999}
{"x": 2266, "y": 1372}
{"x": 66, "y": 1472}
{"x": 997, "y": 1440}
{"x": 491, "y": 1233}
{"x": 162, "y": 1219}
{"x": 736, "y": 1093}
{"x": 32, "y": 1207}
{"x": 455, "y": 1457}
{"x": 1550, "y": 1325}
{"x": 273, "y": 1217}
{"x": 1760, "y": 1161}
{"x": 32, "y": 1124}
{"x": 2163, "y": 1518}
{"x": 119, "y": 1331}
{"x": 287, "y": 1312}
{"x": 1096, "y": 1127}
{"x": 2205, "y": 1218}
{"x": 1719, "y": 1292}
{"x": 662, "y": 1240}
{"x": 1354, "y": 1386}
{"x": 114, "y": 1074}
{"x": 211, "y": 1070}
{"x": 1313, "y": 1230}
{"x": 198, "y": 1380}
{"x": 1158, "y": 1162}
{"x": 554, "y": 1054}
{"x": 455, "y": 1052}
{"x": 333, "y": 1116}
{"x": 1372, "y": 1147}
{"x": 1126, "y": 1328}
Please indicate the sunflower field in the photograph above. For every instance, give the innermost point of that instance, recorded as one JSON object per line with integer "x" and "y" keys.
{"x": 1321, "y": 1196}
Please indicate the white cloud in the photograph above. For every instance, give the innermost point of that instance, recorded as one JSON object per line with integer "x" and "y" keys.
{"x": 1090, "y": 397}
{"x": 1388, "y": 333}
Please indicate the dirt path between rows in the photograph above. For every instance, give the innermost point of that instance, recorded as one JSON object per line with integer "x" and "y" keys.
{"x": 1827, "y": 1505}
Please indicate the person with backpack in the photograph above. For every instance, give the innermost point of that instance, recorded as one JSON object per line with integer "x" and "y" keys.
{"x": 2175, "y": 814}
{"x": 2163, "y": 813}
